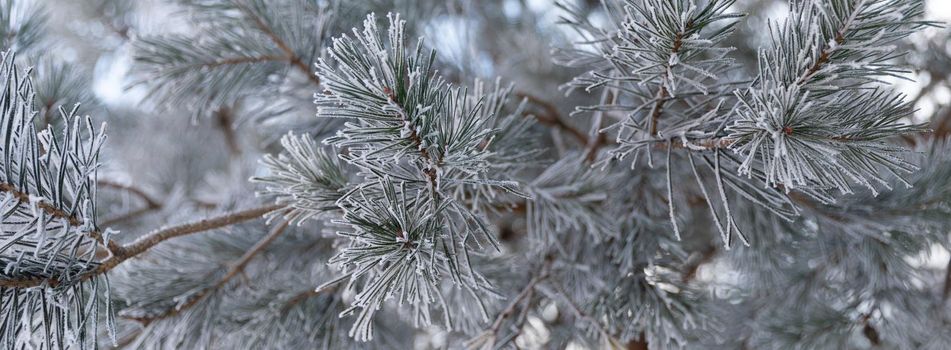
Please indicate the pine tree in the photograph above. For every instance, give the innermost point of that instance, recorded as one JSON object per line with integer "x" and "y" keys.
{"x": 427, "y": 174}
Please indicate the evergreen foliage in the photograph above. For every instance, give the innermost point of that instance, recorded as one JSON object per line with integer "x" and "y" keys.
{"x": 49, "y": 230}
{"x": 305, "y": 174}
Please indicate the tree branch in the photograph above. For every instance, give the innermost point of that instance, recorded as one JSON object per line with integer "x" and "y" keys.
{"x": 524, "y": 294}
{"x": 52, "y": 210}
{"x": 223, "y": 122}
{"x": 662, "y": 93}
{"x": 583, "y": 315}
{"x": 551, "y": 117}
{"x": 826, "y": 54}
{"x": 291, "y": 56}
{"x": 417, "y": 141}
{"x": 150, "y": 203}
{"x": 233, "y": 271}
{"x": 155, "y": 237}
{"x": 128, "y": 216}
{"x": 595, "y": 138}
{"x": 701, "y": 144}
{"x": 869, "y": 331}
{"x": 121, "y": 253}
{"x": 302, "y": 296}
{"x": 138, "y": 192}
{"x": 241, "y": 60}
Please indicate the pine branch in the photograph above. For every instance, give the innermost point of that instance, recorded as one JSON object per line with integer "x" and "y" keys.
{"x": 128, "y": 216}
{"x": 712, "y": 144}
{"x": 153, "y": 238}
{"x": 245, "y": 51}
{"x": 236, "y": 268}
{"x": 52, "y": 210}
{"x": 121, "y": 253}
{"x": 151, "y": 204}
{"x": 695, "y": 145}
{"x": 417, "y": 141}
{"x": 826, "y": 52}
{"x": 407, "y": 122}
{"x": 306, "y": 294}
{"x": 596, "y": 139}
{"x": 823, "y": 74}
{"x": 223, "y": 119}
{"x": 295, "y": 60}
{"x": 524, "y": 295}
{"x": 551, "y": 117}
{"x": 579, "y": 313}
{"x": 662, "y": 93}
{"x": 138, "y": 192}
{"x": 869, "y": 331}
{"x": 306, "y": 177}
{"x": 653, "y": 54}
{"x": 229, "y": 61}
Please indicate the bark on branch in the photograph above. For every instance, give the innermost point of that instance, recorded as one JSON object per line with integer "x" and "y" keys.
{"x": 233, "y": 271}
{"x": 121, "y": 253}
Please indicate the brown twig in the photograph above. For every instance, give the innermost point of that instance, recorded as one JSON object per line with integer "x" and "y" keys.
{"x": 595, "y": 138}
{"x": 658, "y": 108}
{"x": 662, "y": 93}
{"x": 583, "y": 315}
{"x": 52, "y": 210}
{"x": 826, "y": 54}
{"x": 869, "y": 331}
{"x": 151, "y": 204}
{"x": 128, "y": 216}
{"x": 138, "y": 192}
{"x": 121, "y": 253}
{"x": 431, "y": 173}
{"x": 524, "y": 294}
{"x": 239, "y": 60}
{"x": 638, "y": 344}
{"x": 824, "y": 57}
{"x": 552, "y": 117}
{"x": 234, "y": 270}
{"x": 290, "y": 56}
{"x": 223, "y": 121}
{"x": 155, "y": 237}
{"x": 302, "y": 296}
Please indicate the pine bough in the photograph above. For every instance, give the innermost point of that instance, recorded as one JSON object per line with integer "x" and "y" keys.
{"x": 418, "y": 167}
